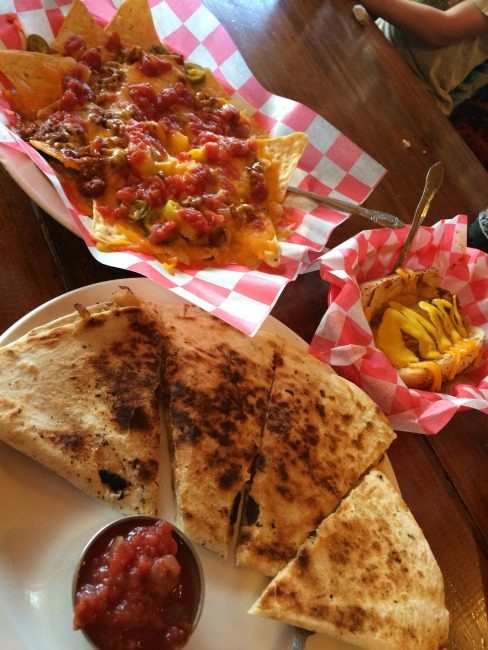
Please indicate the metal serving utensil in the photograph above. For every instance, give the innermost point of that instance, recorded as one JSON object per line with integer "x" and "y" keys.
{"x": 381, "y": 218}
{"x": 433, "y": 181}
{"x": 300, "y": 637}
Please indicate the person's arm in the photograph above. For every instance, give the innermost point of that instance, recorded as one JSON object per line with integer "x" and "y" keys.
{"x": 432, "y": 26}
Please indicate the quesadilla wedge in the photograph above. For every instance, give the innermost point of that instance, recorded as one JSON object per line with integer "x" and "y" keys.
{"x": 366, "y": 576}
{"x": 321, "y": 434}
{"x": 216, "y": 388}
{"x": 80, "y": 396}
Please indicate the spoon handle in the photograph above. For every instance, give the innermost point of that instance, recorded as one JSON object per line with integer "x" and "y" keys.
{"x": 300, "y": 638}
{"x": 433, "y": 181}
{"x": 381, "y": 218}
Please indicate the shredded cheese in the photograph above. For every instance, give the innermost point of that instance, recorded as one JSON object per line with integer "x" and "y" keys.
{"x": 434, "y": 369}
{"x": 407, "y": 275}
{"x": 455, "y": 365}
{"x": 437, "y": 331}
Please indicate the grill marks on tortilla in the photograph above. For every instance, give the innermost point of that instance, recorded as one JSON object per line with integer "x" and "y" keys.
{"x": 295, "y": 440}
{"x": 215, "y": 419}
{"x": 270, "y": 424}
{"x": 80, "y": 395}
{"x": 137, "y": 367}
{"x": 367, "y": 576}
{"x": 230, "y": 406}
{"x": 321, "y": 434}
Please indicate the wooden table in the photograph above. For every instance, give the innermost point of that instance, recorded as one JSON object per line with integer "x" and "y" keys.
{"x": 316, "y": 53}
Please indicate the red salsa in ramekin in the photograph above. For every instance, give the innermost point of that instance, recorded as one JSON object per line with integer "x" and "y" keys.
{"x": 139, "y": 585}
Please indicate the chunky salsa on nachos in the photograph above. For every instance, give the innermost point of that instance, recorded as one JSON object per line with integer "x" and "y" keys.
{"x": 149, "y": 145}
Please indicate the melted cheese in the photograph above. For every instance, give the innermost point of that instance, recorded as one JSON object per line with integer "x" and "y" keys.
{"x": 438, "y": 331}
{"x": 409, "y": 279}
{"x": 434, "y": 369}
{"x": 455, "y": 364}
{"x": 458, "y": 351}
{"x": 465, "y": 346}
{"x": 249, "y": 181}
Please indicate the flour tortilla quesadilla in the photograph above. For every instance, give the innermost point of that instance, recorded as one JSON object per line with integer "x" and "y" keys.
{"x": 321, "y": 434}
{"x": 80, "y": 395}
{"x": 367, "y": 576}
{"x": 217, "y": 385}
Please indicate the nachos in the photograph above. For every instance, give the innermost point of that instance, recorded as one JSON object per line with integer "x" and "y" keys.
{"x": 149, "y": 145}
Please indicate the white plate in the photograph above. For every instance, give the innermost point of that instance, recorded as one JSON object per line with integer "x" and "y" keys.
{"x": 30, "y": 178}
{"x": 45, "y": 523}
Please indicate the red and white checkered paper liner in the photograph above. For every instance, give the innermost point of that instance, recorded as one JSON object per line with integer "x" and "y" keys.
{"x": 344, "y": 340}
{"x": 331, "y": 164}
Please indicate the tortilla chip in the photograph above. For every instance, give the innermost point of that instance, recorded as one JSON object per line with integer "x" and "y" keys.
{"x": 36, "y": 78}
{"x": 212, "y": 86}
{"x": 114, "y": 234}
{"x": 134, "y": 24}
{"x": 79, "y": 22}
{"x": 250, "y": 247}
{"x": 281, "y": 155}
{"x": 117, "y": 235}
{"x": 50, "y": 150}
{"x": 69, "y": 180}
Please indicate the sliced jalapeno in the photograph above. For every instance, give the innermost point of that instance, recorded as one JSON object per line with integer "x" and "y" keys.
{"x": 150, "y": 218}
{"x": 159, "y": 49}
{"x": 194, "y": 72}
{"x": 36, "y": 43}
{"x": 138, "y": 210}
